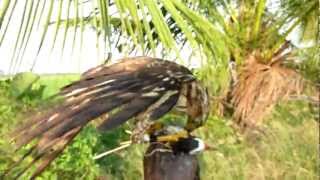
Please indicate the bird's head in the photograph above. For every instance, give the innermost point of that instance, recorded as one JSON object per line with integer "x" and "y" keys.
{"x": 205, "y": 103}
{"x": 199, "y": 106}
{"x": 190, "y": 145}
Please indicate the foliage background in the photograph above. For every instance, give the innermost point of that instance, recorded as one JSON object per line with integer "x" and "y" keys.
{"x": 289, "y": 150}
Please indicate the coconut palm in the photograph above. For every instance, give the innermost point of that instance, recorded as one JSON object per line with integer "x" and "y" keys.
{"x": 251, "y": 34}
{"x": 259, "y": 30}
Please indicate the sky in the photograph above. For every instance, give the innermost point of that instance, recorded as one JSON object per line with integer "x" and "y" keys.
{"x": 51, "y": 60}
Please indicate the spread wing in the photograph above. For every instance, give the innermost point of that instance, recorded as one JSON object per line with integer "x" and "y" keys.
{"x": 131, "y": 87}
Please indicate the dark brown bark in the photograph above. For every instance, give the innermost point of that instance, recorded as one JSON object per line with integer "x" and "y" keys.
{"x": 161, "y": 164}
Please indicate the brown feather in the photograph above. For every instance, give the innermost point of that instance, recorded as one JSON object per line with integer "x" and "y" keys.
{"x": 59, "y": 147}
{"x": 133, "y": 87}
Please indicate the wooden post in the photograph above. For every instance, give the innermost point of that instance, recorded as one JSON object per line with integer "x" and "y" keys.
{"x": 161, "y": 164}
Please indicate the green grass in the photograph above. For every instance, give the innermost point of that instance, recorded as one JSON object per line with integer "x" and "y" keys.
{"x": 289, "y": 150}
{"x": 55, "y": 82}
{"x": 286, "y": 152}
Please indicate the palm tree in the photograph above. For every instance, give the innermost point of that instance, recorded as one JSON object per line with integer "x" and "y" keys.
{"x": 251, "y": 34}
{"x": 260, "y": 49}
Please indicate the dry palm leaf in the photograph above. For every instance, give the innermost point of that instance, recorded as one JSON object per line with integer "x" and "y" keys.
{"x": 259, "y": 88}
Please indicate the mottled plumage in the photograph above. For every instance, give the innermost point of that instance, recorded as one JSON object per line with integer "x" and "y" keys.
{"x": 143, "y": 88}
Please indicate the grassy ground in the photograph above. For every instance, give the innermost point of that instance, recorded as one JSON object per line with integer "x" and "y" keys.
{"x": 288, "y": 150}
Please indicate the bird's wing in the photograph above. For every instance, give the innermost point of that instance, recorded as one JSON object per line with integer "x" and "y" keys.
{"x": 123, "y": 91}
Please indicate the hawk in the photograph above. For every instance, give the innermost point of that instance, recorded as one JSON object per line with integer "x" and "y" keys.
{"x": 140, "y": 88}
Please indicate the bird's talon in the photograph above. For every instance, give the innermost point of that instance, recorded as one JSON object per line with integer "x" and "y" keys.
{"x": 155, "y": 127}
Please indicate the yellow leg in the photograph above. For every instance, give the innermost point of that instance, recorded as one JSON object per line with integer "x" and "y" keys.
{"x": 173, "y": 137}
{"x": 155, "y": 127}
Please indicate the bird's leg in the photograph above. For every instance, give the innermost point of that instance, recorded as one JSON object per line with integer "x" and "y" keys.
{"x": 141, "y": 127}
